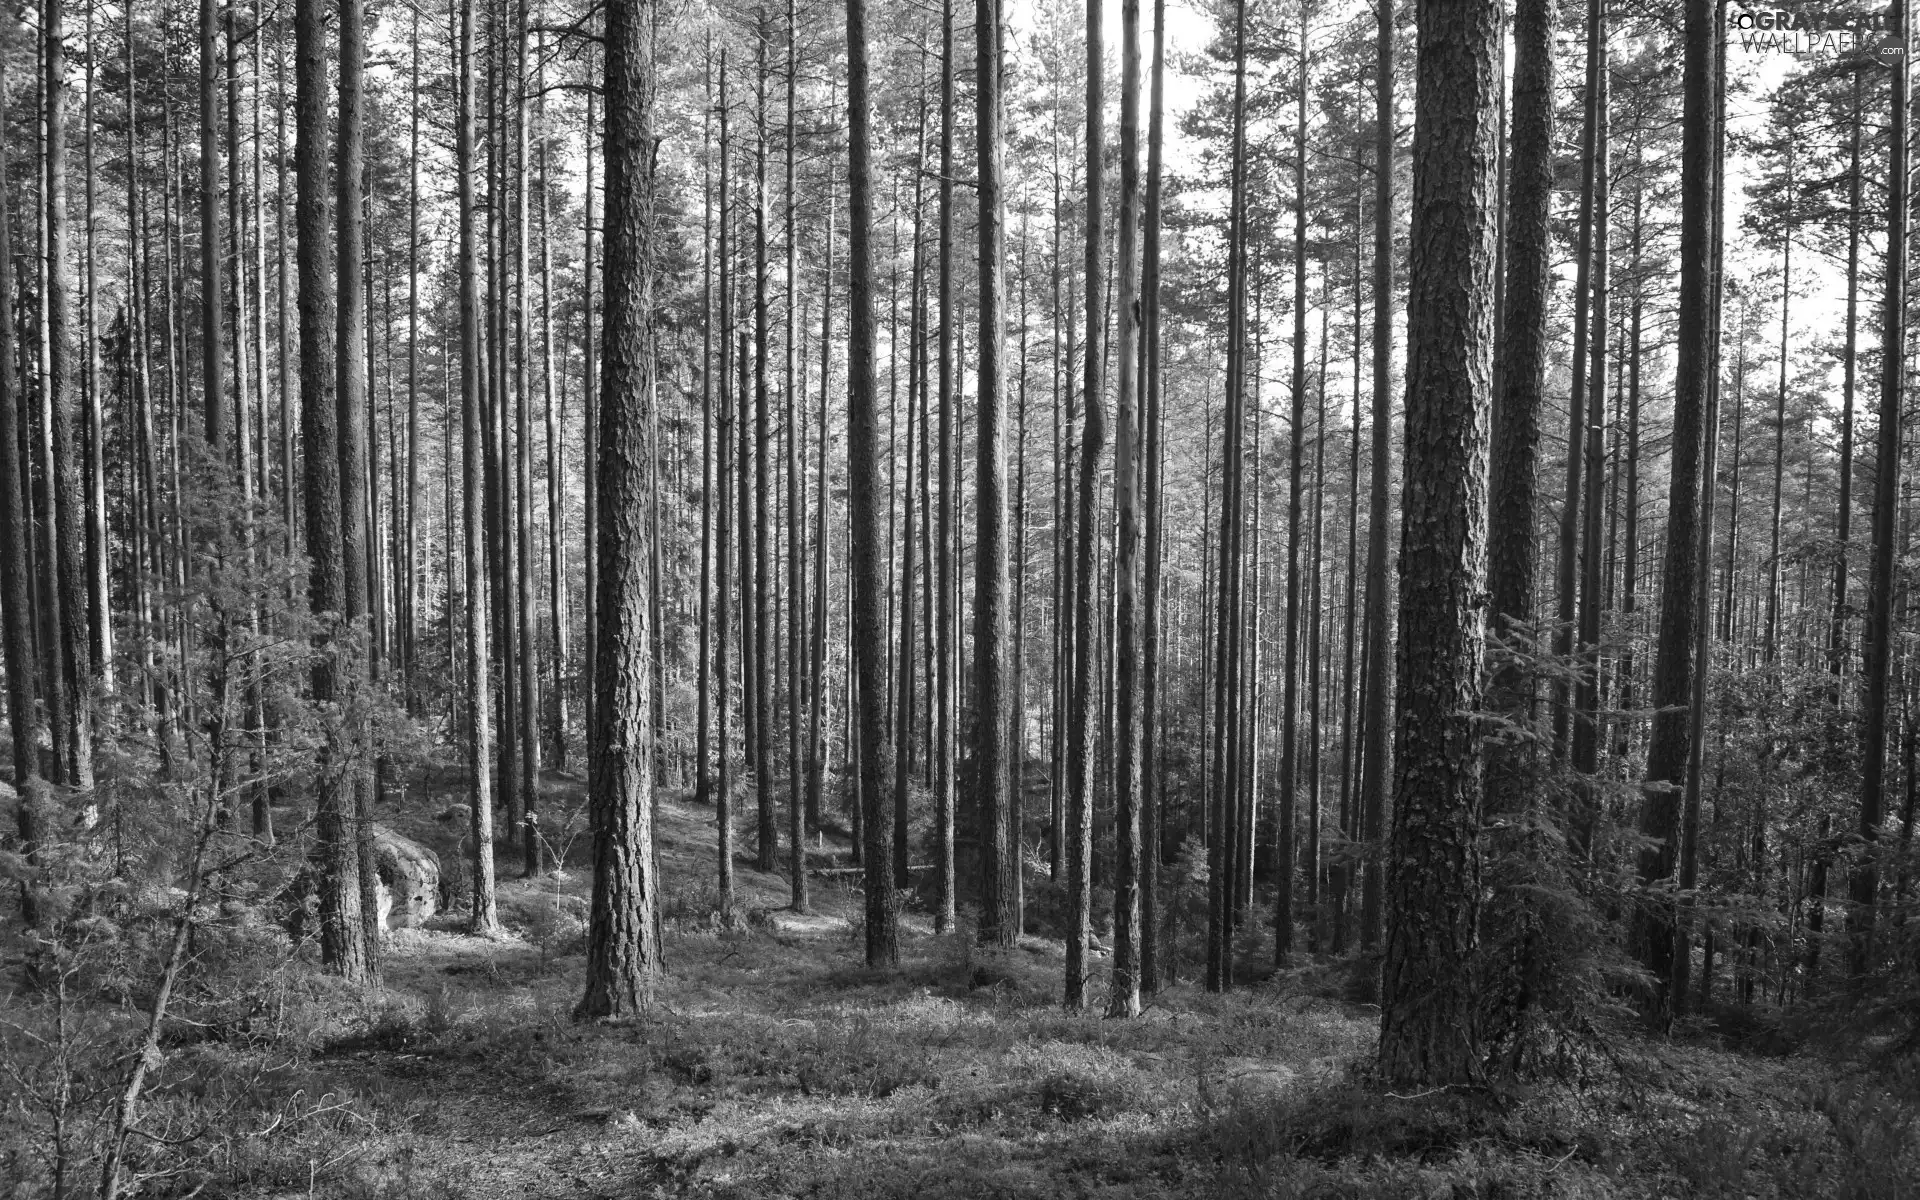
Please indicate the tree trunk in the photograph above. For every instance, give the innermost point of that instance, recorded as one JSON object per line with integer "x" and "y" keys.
{"x": 16, "y": 540}
{"x": 1679, "y": 608}
{"x": 1151, "y": 814}
{"x": 1123, "y": 998}
{"x": 1290, "y": 683}
{"x": 1428, "y": 1021}
{"x": 863, "y": 517}
{"x": 1223, "y": 795}
{"x": 1374, "y": 744}
{"x": 996, "y": 764}
{"x": 1877, "y": 636}
{"x": 343, "y": 933}
{"x": 796, "y": 569}
{"x": 624, "y": 938}
{"x": 482, "y": 920}
{"x": 1080, "y": 737}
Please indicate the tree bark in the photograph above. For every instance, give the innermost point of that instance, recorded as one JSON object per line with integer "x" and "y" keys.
{"x": 1877, "y": 636}
{"x": 1080, "y": 753}
{"x": 624, "y": 939}
{"x": 998, "y": 709}
{"x": 863, "y": 517}
{"x": 1428, "y": 1021}
{"x": 482, "y": 920}
{"x": 343, "y": 933}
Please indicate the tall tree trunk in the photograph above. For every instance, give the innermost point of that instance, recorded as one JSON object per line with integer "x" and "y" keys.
{"x": 1585, "y": 755}
{"x": 1374, "y": 750}
{"x": 1290, "y": 682}
{"x": 1679, "y": 608}
{"x": 1123, "y": 998}
{"x": 703, "y": 665}
{"x": 940, "y": 551}
{"x": 483, "y": 920}
{"x": 67, "y": 513}
{"x": 1877, "y": 636}
{"x": 768, "y": 834}
{"x": 817, "y": 748}
{"x": 1843, "y": 520}
{"x": 722, "y": 545}
{"x": 1151, "y": 815}
{"x": 998, "y": 708}
{"x": 863, "y": 516}
{"x": 1080, "y": 737}
{"x": 352, "y": 402}
{"x": 1223, "y": 795}
{"x": 343, "y": 933}
{"x": 624, "y": 939}
{"x": 1428, "y": 1021}
{"x": 16, "y": 540}
{"x": 796, "y": 568}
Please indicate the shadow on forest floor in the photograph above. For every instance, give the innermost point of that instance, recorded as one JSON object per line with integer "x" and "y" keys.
{"x": 775, "y": 1064}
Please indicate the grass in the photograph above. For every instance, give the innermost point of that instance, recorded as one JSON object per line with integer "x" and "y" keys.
{"x": 775, "y": 1064}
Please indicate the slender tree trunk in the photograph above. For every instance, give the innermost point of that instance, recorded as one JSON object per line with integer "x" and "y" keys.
{"x": 16, "y": 540}
{"x": 863, "y": 465}
{"x": 1123, "y": 999}
{"x": 1374, "y": 744}
{"x": 482, "y": 919}
{"x": 796, "y": 568}
{"x": 1151, "y": 815}
{"x": 1223, "y": 795}
{"x": 1674, "y": 663}
{"x": 1843, "y": 520}
{"x": 998, "y": 709}
{"x": 768, "y": 834}
{"x": 1290, "y": 683}
{"x": 63, "y": 410}
{"x": 1877, "y": 636}
{"x": 940, "y": 552}
{"x": 1080, "y": 737}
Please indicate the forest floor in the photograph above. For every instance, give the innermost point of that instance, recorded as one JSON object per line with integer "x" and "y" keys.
{"x": 775, "y": 1064}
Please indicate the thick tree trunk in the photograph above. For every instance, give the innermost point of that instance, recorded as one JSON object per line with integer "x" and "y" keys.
{"x": 1674, "y": 652}
{"x": 1428, "y": 1020}
{"x": 343, "y": 933}
{"x": 624, "y": 938}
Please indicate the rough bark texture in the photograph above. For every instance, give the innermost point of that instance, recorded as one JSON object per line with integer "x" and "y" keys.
{"x": 1673, "y": 664}
{"x": 1522, "y": 373}
{"x": 1427, "y": 1031}
{"x": 623, "y": 937}
{"x": 343, "y": 939}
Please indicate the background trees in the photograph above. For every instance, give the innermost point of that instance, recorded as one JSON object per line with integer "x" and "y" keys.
{"x": 802, "y": 453}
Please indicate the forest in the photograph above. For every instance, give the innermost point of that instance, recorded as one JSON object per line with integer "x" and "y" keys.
{"x": 760, "y": 598}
